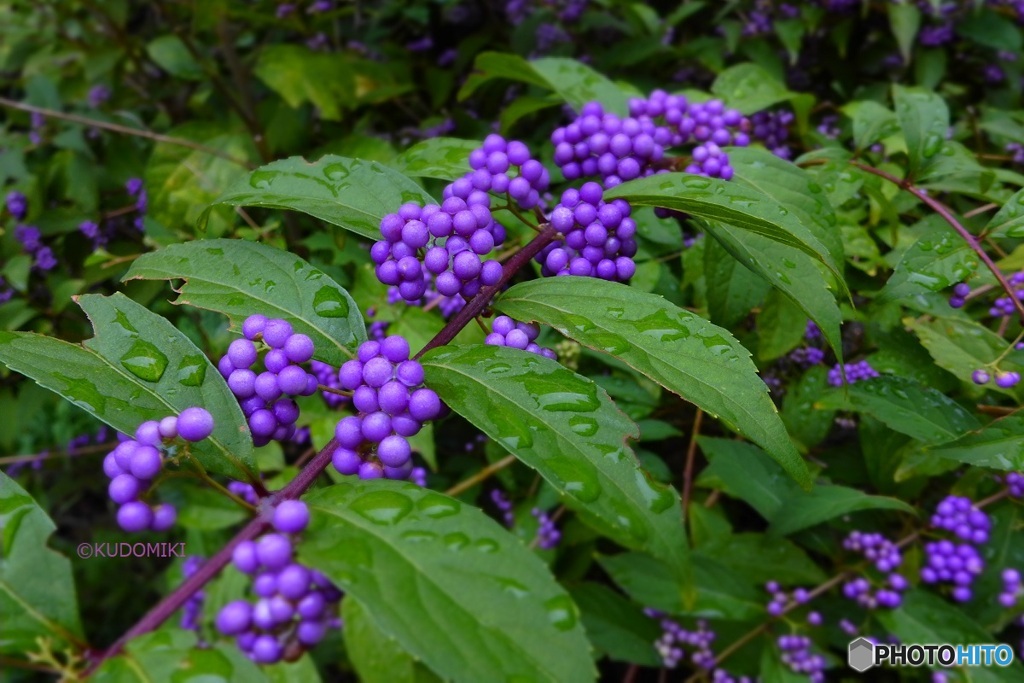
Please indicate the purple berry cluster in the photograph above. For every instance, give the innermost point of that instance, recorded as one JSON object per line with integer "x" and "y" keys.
{"x": 799, "y": 658}
{"x": 296, "y": 605}
{"x": 493, "y": 164}
{"x": 447, "y": 305}
{"x": 504, "y": 506}
{"x": 1011, "y": 588}
{"x": 244, "y": 491}
{"x": 885, "y": 557}
{"x": 674, "y": 637}
{"x": 1015, "y": 484}
{"x": 267, "y": 398}
{"x": 959, "y": 296}
{"x": 777, "y": 605}
{"x": 453, "y": 237}
{"x": 597, "y": 237}
{"x": 855, "y": 372}
{"x": 772, "y": 129}
{"x": 393, "y": 404}
{"x": 518, "y": 335}
{"x": 958, "y": 515}
{"x": 327, "y": 376}
{"x": 137, "y": 191}
{"x": 707, "y": 125}
{"x": 192, "y": 611}
{"x": 1003, "y": 306}
{"x": 807, "y": 356}
{"x": 1004, "y": 379}
{"x": 32, "y": 243}
{"x": 134, "y": 463}
{"x": 957, "y": 563}
{"x": 548, "y": 535}
{"x": 599, "y": 143}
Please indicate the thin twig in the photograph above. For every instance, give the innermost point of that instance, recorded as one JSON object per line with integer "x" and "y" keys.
{"x": 691, "y": 452}
{"x": 117, "y": 128}
{"x": 481, "y": 476}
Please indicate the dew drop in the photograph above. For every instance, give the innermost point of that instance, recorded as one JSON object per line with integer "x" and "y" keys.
{"x": 192, "y": 371}
{"x": 328, "y": 302}
{"x": 436, "y": 506}
{"x": 561, "y": 612}
{"x": 382, "y": 507}
{"x": 145, "y": 361}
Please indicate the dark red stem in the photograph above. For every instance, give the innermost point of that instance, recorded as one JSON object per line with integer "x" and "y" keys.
{"x": 947, "y": 215}
{"x": 479, "y": 302}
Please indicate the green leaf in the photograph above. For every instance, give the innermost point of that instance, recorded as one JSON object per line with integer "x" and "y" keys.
{"x": 37, "y": 588}
{"x": 376, "y": 657}
{"x": 1009, "y": 220}
{"x": 733, "y": 289}
{"x": 171, "y": 55}
{"x": 803, "y": 418}
{"x": 924, "y": 119}
{"x": 999, "y": 445}
{"x": 937, "y": 260}
{"x": 905, "y": 19}
{"x": 349, "y": 193}
{"x": 789, "y": 270}
{"x": 569, "y": 430}
{"x": 137, "y": 367}
{"x": 780, "y": 327}
{"x": 574, "y": 81}
{"x": 618, "y": 629}
{"x": 992, "y": 30}
{"x": 300, "y": 75}
{"x": 794, "y": 188}
{"x": 745, "y": 473}
{"x": 906, "y": 407}
{"x": 442, "y": 158}
{"x": 871, "y": 122}
{"x": 453, "y": 587}
{"x": 677, "y": 349}
{"x": 578, "y": 84}
{"x": 827, "y": 502}
{"x": 721, "y": 593}
{"x": 749, "y": 88}
{"x": 241, "y": 278}
{"x": 720, "y": 200}
{"x": 754, "y": 556}
{"x": 926, "y": 618}
{"x": 963, "y": 346}
{"x": 174, "y": 655}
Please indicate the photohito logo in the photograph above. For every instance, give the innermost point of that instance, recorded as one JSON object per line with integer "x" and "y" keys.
{"x": 863, "y": 654}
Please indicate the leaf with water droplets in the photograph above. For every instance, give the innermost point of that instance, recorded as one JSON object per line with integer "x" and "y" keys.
{"x": 731, "y": 203}
{"x": 241, "y": 278}
{"x": 351, "y": 193}
{"x": 962, "y": 346}
{"x": 905, "y": 406}
{"x": 454, "y": 588}
{"x": 790, "y": 271}
{"x": 871, "y": 122}
{"x": 924, "y": 119}
{"x": 937, "y": 260}
{"x": 137, "y": 367}
{"x": 678, "y": 349}
{"x": 999, "y": 445}
{"x": 1009, "y": 220}
{"x": 37, "y": 588}
{"x": 441, "y": 158}
{"x": 569, "y": 430}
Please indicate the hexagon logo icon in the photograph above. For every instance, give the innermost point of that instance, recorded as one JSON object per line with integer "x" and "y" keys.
{"x": 861, "y": 656}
